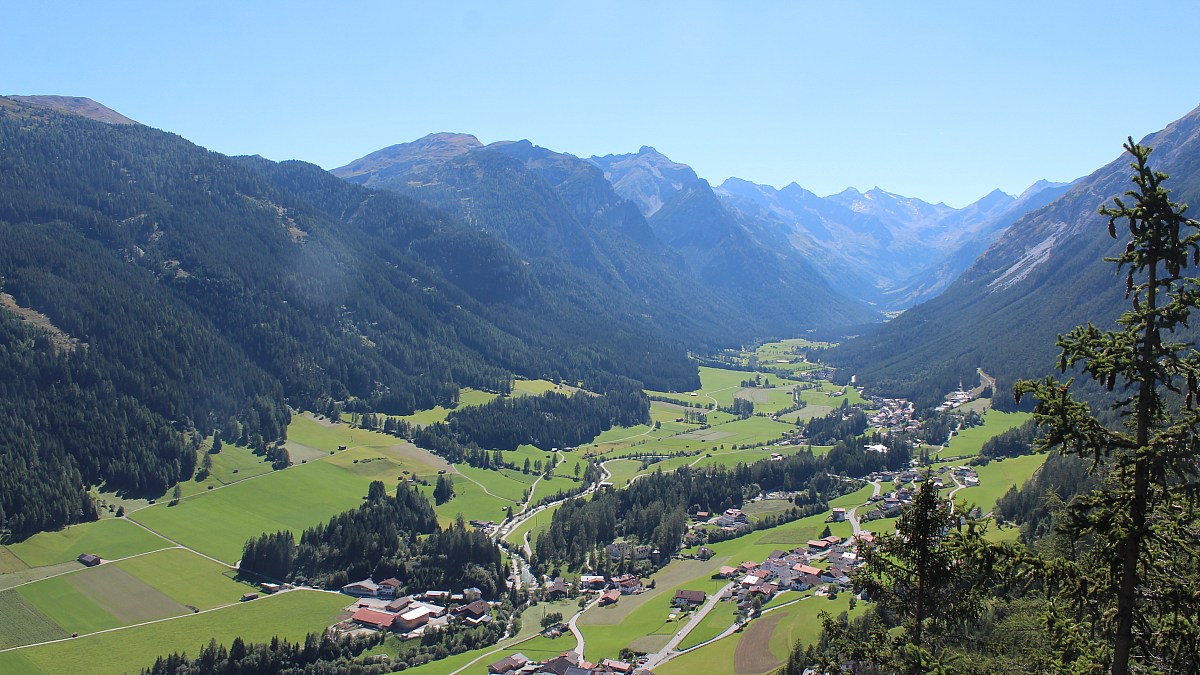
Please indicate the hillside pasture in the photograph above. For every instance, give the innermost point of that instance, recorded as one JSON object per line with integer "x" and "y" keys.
{"x": 219, "y": 522}
{"x": 470, "y": 502}
{"x": 970, "y": 441}
{"x": 997, "y": 477}
{"x": 505, "y": 484}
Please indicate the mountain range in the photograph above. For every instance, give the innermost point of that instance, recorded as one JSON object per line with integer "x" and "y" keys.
{"x": 151, "y": 290}
{"x": 1043, "y": 276}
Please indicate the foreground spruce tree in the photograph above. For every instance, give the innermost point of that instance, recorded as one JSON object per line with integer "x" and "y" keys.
{"x": 1130, "y": 604}
{"x": 929, "y": 579}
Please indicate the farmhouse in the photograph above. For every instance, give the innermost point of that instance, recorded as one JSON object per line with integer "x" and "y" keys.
{"x": 557, "y": 589}
{"x": 592, "y": 582}
{"x": 610, "y": 597}
{"x": 838, "y": 515}
{"x": 372, "y": 618}
{"x": 362, "y": 589}
{"x": 688, "y": 598}
{"x": 627, "y": 584}
{"x": 508, "y": 664}
{"x": 417, "y": 616}
{"x": 388, "y": 588}
{"x": 474, "y": 614}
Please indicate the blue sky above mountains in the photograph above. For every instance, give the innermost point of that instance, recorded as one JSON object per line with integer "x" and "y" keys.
{"x": 938, "y": 100}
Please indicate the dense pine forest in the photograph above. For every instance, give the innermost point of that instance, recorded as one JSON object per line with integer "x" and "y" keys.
{"x": 185, "y": 292}
{"x": 388, "y": 536}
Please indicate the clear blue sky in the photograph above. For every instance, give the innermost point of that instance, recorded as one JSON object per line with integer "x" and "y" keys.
{"x": 938, "y": 100}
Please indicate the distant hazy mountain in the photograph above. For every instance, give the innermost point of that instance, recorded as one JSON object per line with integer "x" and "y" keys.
{"x": 886, "y": 249}
{"x": 647, "y": 178}
{"x": 891, "y": 249}
{"x": 563, "y": 212}
{"x": 1044, "y": 275}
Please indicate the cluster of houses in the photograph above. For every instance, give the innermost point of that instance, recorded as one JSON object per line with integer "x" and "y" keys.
{"x": 955, "y": 399}
{"x": 610, "y": 588}
{"x": 380, "y": 607}
{"x": 567, "y": 663}
{"x": 818, "y": 563}
{"x": 895, "y": 415}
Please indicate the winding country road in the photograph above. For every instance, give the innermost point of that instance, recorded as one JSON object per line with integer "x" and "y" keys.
{"x": 852, "y": 514}
{"x": 668, "y": 650}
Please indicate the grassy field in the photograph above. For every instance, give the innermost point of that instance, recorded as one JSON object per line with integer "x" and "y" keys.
{"x": 9, "y": 562}
{"x": 641, "y": 620}
{"x": 110, "y": 539}
{"x": 219, "y": 522}
{"x": 97, "y": 599}
{"x": 713, "y": 624}
{"x": 466, "y": 397}
{"x": 801, "y": 622}
{"x": 288, "y": 615}
{"x": 471, "y": 502}
{"x": 548, "y": 487}
{"x": 232, "y": 464}
{"x": 21, "y": 623}
{"x": 538, "y": 387}
{"x": 323, "y": 436}
{"x": 534, "y": 526}
{"x": 622, "y": 470}
{"x": 712, "y": 659}
{"x": 507, "y": 484}
{"x": 997, "y": 477}
{"x": 763, "y": 645}
{"x": 187, "y": 578}
{"x": 970, "y": 441}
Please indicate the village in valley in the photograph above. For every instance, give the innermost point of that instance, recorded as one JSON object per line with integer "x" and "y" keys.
{"x": 728, "y": 570}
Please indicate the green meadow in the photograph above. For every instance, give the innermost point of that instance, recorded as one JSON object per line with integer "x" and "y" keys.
{"x": 970, "y": 441}
{"x": 110, "y": 538}
{"x": 186, "y": 578}
{"x": 21, "y": 623}
{"x": 219, "y": 522}
{"x": 289, "y": 615}
{"x": 98, "y": 599}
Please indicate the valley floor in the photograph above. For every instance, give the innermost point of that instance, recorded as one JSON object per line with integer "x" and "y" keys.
{"x": 168, "y": 578}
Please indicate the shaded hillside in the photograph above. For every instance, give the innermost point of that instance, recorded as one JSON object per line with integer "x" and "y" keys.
{"x": 561, "y": 213}
{"x": 172, "y": 290}
{"x": 1044, "y": 276}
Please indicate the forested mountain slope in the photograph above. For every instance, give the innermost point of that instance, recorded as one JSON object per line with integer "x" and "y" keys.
{"x": 1042, "y": 277}
{"x": 152, "y": 288}
{"x": 562, "y": 214}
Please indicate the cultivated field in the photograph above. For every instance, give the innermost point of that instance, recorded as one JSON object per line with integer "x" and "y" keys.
{"x": 289, "y": 615}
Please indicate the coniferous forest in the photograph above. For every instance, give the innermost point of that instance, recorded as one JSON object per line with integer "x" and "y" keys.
{"x": 188, "y": 292}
